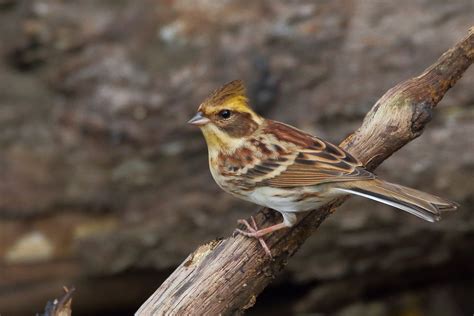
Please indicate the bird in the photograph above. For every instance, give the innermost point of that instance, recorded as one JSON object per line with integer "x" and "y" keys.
{"x": 278, "y": 166}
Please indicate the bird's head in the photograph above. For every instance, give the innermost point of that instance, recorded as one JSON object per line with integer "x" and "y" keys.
{"x": 225, "y": 117}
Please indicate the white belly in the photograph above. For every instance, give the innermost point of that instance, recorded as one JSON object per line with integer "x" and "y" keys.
{"x": 285, "y": 201}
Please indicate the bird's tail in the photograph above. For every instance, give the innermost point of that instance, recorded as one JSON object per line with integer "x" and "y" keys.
{"x": 421, "y": 204}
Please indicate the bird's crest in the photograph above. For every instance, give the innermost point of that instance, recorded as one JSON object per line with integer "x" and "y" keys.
{"x": 232, "y": 93}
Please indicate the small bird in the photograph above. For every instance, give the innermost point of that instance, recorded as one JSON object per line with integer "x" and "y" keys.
{"x": 283, "y": 168}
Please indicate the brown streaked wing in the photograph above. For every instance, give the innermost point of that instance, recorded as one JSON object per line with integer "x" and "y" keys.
{"x": 317, "y": 161}
{"x": 310, "y": 170}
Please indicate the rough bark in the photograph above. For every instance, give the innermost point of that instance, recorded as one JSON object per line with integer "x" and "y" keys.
{"x": 226, "y": 276}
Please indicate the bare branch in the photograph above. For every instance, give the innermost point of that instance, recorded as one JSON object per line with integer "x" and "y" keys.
{"x": 225, "y": 276}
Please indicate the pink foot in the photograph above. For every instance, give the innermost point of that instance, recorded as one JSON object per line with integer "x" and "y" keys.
{"x": 253, "y": 232}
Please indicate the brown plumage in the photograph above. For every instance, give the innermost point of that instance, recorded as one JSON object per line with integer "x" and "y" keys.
{"x": 283, "y": 168}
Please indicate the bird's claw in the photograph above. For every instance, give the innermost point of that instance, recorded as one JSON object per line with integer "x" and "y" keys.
{"x": 252, "y": 232}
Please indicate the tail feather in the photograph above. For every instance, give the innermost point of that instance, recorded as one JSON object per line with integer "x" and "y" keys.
{"x": 424, "y": 205}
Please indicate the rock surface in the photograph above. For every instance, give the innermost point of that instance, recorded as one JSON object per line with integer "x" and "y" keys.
{"x": 100, "y": 174}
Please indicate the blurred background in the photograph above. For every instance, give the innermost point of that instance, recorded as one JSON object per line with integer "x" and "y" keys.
{"x": 104, "y": 187}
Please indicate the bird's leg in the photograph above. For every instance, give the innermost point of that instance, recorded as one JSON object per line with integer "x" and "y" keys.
{"x": 252, "y": 229}
{"x": 289, "y": 219}
{"x": 261, "y": 232}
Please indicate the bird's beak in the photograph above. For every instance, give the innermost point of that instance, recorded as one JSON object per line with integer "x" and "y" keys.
{"x": 199, "y": 119}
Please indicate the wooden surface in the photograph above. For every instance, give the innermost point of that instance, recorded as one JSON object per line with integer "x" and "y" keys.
{"x": 226, "y": 276}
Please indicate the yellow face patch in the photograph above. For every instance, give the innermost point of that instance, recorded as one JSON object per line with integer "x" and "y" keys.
{"x": 215, "y": 138}
{"x": 225, "y": 133}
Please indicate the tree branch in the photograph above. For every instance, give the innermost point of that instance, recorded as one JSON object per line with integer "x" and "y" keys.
{"x": 225, "y": 276}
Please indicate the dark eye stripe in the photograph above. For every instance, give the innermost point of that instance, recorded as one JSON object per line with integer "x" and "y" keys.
{"x": 238, "y": 125}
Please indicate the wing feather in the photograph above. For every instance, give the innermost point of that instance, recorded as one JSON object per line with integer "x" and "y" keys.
{"x": 304, "y": 160}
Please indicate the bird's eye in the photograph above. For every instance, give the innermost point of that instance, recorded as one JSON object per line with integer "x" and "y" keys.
{"x": 225, "y": 114}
